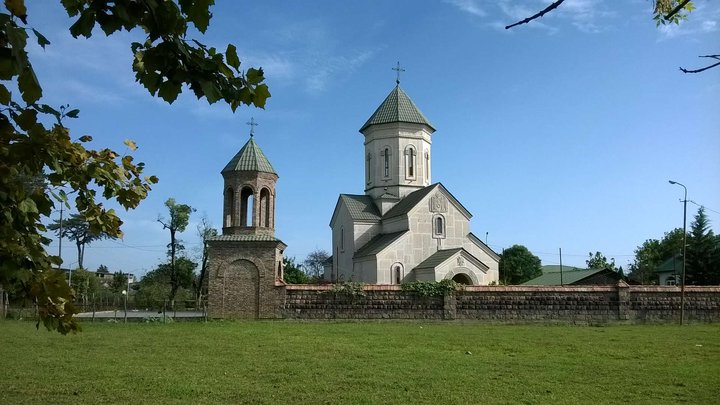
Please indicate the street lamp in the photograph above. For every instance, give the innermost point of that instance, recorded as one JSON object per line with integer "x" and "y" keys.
{"x": 682, "y": 282}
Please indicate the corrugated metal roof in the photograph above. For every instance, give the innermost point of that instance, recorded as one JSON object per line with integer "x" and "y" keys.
{"x": 671, "y": 265}
{"x": 397, "y": 107}
{"x": 250, "y": 158}
{"x": 410, "y": 201}
{"x": 568, "y": 277}
{"x": 361, "y": 207}
{"x": 245, "y": 238}
{"x": 437, "y": 258}
{"x": 378, "y": 243}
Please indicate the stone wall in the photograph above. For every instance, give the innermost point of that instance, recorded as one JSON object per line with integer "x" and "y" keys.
{"x": 574, "y": 304}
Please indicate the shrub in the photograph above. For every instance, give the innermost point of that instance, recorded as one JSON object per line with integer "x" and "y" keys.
{"x": 432, "y": 288}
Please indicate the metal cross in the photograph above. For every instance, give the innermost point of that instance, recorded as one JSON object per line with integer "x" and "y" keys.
{"x": 398, "y": 69}
{"x": 252, "y": 124}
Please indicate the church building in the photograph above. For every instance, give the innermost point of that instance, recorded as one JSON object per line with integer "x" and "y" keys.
{"x": 404, "y": 228}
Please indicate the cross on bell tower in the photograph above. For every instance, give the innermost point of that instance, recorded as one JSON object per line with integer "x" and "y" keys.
{"x": 252, "y": 125}
{"x": 398, "y": 69}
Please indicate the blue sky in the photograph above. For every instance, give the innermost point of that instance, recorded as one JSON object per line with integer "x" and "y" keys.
{"x": 561, "y": 133}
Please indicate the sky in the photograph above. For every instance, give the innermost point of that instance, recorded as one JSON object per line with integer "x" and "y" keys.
{"x": 561, "y": 133}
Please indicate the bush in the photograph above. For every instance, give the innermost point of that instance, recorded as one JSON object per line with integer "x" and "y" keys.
{"x": 432, "y": 288}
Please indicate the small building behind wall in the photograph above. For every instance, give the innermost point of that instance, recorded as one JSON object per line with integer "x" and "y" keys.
{"x": 245, "y": 262}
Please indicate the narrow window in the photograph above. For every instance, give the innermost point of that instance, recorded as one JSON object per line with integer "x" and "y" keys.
{"x": 342, "y": 239}
{"x": 398, "y": 277}
{"x": 229, "y": 207}
{"x": 439, "y": 226}
{"x": 247, "y": 208}
{"x": 427, "y": 167}
{"x": 368, "y": 172}
{"x": 410, "y": 162}
{"x": 387, "y": 162}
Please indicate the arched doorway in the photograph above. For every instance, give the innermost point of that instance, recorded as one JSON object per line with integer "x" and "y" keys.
{"x": 462, "y": 278}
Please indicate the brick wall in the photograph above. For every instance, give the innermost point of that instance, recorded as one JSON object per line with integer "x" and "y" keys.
{"x": 575, "y": 304}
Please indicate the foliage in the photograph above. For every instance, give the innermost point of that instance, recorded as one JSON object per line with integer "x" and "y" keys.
{"x": 703, "y": 267}
{"x": 348, "y": 289}
{"x": 432, "y": 288}
{"x": 102, "y": 269}
{"x": 205, "y": 231}
{"x": 540, "y": 364}
{"x": 38, "y": 162}
{"x": 154, "y": 288}
{"x": 179, "y": 217}
{"x": 314, "y": 263}
{"x": 84, "y": 283}
{"x": 292, "y": 272}
{"x": 652, "y": 253}
{"x": 119, "y": 282}
{"x": 77, "y": 229}
{"x": 663, "y": 8}
{"x": 599, "y": 261}
{"x": 518, "y": 265}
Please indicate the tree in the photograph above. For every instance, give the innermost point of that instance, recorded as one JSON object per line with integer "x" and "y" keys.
{"x": 293, "y": 273}
{"x": 664, "y": 12}
{"x": 77, "y": 229}
{"x": 702, "y": 252}
{"x": 205, "y": 231}
{"x": 599, "y": 261}
{"x": 102, "y": 269}
{"x": 119, "y": 282}
{"x": 39, "y": 159}
{"x": 177, "y": 222}
{"x": 84, "y": 283}
{"x": 154, "y": 288}
{"x": 314, "y": 263}
{"x": 518, "y": 265}
{"x": 652, "y": 253}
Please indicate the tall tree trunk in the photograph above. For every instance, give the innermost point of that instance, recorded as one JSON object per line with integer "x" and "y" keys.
{"x": 80, "y": 255}
{"x": 173, "y": 270}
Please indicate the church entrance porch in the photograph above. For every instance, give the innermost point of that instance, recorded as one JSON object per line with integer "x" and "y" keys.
{"x": 462, "y": 278}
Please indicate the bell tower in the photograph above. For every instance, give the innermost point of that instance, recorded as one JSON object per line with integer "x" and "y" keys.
{"x": 249, "y": 191}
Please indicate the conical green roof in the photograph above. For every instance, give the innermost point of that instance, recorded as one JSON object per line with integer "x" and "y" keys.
{"x": 397, "y": 107}
{"x": 250, "y": 158}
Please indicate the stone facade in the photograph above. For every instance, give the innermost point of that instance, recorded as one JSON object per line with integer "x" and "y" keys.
{"x": 404, "y": 228}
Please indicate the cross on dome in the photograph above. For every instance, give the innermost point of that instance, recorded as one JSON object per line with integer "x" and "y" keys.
{"x": 398, "y": 69}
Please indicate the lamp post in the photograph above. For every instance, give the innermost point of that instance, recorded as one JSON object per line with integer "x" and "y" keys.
{"x": 682, "y": 281}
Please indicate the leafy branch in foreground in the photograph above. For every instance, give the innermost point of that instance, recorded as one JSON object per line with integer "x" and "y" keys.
{"x": 40, "y": 161}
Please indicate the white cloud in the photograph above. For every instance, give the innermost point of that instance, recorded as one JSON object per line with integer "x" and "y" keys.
{"x": 709, "y": 26}
{"x": 468, "y": 6}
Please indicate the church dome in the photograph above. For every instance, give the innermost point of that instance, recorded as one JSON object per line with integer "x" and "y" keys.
{"x": 250, "y": 158}
{"x": 397, "y": 107}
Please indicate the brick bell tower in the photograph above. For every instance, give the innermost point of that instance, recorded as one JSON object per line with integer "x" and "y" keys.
{"x": 246, "y": 262}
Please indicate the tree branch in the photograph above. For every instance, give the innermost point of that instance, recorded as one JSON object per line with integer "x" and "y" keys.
{"x": 548, "y": 9}
{"x": 706, "y": 67}
{"x": 676, "y": 10}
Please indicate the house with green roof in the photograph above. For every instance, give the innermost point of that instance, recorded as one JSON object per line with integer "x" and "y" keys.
{"x": 670, "y": 271}
{"x": 404, "y": 227}
{"x": 574, "y": 276}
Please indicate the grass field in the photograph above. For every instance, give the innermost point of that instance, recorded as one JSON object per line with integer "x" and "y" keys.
{"x": 360, "y": 362}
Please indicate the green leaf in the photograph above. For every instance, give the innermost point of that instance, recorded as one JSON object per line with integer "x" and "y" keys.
{"x": 169, "y": 91}
{"x": 198, "y": 12}
{"x": 231, "y": 56}
{"x": 17, "y": 8}
{"x": 72, "y": 113}
{"x": 28, "y": 206}
{"x": 255, "y": 76}
{"x": 27, "y": 119}
{"x": 29, "y": 85}
{"x": 84, "y": 25}
{"x": 42, "y": 41}
{"x": 5, "y": 95}
{"x": 210, "y": 90}
{"x": 261, "y": 95}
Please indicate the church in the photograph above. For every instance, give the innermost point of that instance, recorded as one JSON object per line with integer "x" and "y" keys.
{"x": 404, "y": 228}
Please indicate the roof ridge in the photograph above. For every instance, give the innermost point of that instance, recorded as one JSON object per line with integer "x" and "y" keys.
{"x": 250, "y": 158}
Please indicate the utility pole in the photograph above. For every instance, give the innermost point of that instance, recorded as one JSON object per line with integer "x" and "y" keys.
{"x": 682, "y": 282}
{"x": 561, "y": 268}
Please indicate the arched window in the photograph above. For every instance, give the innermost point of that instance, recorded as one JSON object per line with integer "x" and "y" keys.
{"x": 427, "y": 167}
{"x": 396, "y": 273}
{"x": 265, "y": 208}
{"x": 247, "y": 207}
{"x": 439, "y": 226}
{"x": 368, "y": 170}
{"x": 386, "y": 154}
{"x": 229, "y": 207}
{"x": 410, "y": 162}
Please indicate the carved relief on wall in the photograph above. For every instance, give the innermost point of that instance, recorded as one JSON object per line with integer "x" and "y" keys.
{"x": 438, "y": 203}
{"x": 460, "y": 261}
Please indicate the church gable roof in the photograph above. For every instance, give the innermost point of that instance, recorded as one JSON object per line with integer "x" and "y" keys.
{"x": 360, "y": 208}
{"x": 378, "y": 244}
{"x": 441, "y": 256}
{"x": 397, "y": 107}
{"x": 250, "y": 158}
{"x": 413, "y": 199}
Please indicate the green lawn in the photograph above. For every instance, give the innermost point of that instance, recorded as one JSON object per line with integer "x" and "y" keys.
{"x": 359, "y": 362}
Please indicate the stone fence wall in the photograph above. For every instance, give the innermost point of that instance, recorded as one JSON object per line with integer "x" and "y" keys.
{"x": 575, "y": 304}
